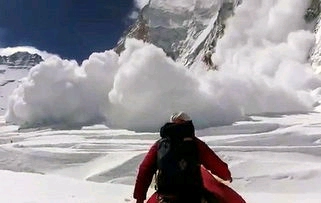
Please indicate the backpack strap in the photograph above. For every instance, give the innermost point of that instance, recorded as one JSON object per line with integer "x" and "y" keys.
{"x": 188, "y": 139}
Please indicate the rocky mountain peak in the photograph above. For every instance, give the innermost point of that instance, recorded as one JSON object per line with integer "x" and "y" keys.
{"x": 185, "y": 31}
{"x": 20, "y": 60}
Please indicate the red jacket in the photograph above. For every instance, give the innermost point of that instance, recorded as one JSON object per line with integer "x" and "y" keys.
{"x": 148, "y": 167}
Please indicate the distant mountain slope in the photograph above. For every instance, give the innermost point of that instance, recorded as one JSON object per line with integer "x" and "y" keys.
{"x": 185, "y": 30}
{"x": 20, "y": 60}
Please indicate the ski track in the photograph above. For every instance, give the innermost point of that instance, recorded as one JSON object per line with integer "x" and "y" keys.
{"x": 279, "y": 153}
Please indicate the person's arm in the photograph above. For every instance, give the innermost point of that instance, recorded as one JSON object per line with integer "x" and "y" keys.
{"x": 212, "y": 162}
{"x": 145, "y": 174}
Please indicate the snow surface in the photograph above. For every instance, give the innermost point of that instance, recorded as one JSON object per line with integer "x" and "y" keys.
{"x": 272, "y": 159}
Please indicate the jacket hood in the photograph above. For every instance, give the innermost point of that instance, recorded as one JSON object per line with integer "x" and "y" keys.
{"x": 178, "y": 130}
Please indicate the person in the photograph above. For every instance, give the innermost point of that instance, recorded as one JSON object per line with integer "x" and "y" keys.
{"x": 180, "y": 125}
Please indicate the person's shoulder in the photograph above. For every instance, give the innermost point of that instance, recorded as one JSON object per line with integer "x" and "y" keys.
{"x": 199, "y": 141}
{"x": 154, "y": 147}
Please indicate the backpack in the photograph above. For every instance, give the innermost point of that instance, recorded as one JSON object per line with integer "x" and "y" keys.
{"x": 178, "y": 166}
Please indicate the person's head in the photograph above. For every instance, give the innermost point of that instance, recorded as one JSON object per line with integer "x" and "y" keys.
{"x": 180, "y": 117}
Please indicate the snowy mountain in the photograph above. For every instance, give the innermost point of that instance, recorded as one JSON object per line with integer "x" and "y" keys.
{"x": 20, "y": 60}
{"x": 189, "y": 30}
{"x": 183, "y": 29}
{"x": 313, "y": 12}
{"x": 12, "y": 68}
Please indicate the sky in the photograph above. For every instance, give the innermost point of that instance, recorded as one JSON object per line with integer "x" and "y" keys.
{"x": 129, "y": 91}
{"x": 71, "y": 29}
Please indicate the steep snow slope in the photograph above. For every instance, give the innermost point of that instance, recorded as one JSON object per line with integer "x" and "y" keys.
{"x": 183, "y": 29}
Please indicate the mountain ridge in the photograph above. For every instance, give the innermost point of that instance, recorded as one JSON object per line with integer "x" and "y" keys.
{"x": 20, "y": 60}
{"x": 194, "y": 41}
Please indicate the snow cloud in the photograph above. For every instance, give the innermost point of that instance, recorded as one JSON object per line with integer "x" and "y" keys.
{"x": 270, "y": 53}
{"x": 263, "y": 69}
{"x": 141, "y": 3}
{"x": 60, "y": 92}
{"x": 138, "y": 90}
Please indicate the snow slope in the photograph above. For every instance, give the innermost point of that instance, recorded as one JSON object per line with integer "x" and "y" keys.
{"x": 272, "y": 159}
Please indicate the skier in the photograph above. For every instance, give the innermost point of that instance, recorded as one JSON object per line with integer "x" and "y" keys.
{"x": 187, "y": 186}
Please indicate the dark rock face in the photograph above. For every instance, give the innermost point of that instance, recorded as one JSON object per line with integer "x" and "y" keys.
{"x": 182, "y": 34}
{"x": 20, "y": 60}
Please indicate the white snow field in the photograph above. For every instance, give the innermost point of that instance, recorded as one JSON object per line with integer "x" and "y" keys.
{"x": 272, "y": 158}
